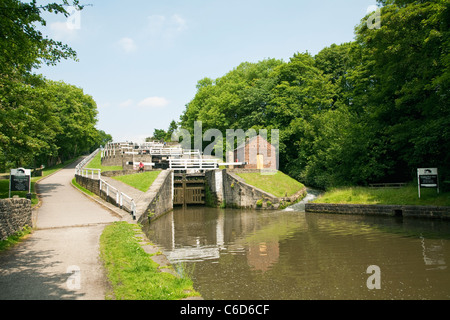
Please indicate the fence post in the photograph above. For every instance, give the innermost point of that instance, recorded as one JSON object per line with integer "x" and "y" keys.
{"x": 133, "y": 209}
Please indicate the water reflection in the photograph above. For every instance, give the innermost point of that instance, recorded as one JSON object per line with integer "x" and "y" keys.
{"x": 239, "y": 254}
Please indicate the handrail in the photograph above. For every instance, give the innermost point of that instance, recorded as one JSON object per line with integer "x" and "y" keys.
{"x": 95, "y": 174}
{"x": 120, "y": 197}
{"x": 193, "y": 164}
{"x": 86, "y": 160}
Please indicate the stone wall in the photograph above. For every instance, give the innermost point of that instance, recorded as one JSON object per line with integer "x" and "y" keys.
{"x": 90, "y": 184}
{"x": 214, "y": 182}
{"x": 232, "y": 191}
{"x": 118, "y": 173}
{"x": 112, "y": 160}
{"x": 429, "y": 212}
{"x": 15, "y": 214}
{"x": 238, "y": 194}
{"x": 158, "y": 200}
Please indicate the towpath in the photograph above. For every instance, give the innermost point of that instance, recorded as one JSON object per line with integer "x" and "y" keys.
{"x": 60, "y": 260}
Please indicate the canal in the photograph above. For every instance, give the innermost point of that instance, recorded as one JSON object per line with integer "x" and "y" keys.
{"x": 293, "y": 255}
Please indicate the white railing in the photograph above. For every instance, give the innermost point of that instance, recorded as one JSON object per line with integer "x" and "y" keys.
{"x": 86, "y": 161}
{"x": 166, "y": 151}
{"x": 94, "y": 174}
{"x": 186, "y": 164}
{"x": 195, "y": 152}
{"x": 122, "y": 200}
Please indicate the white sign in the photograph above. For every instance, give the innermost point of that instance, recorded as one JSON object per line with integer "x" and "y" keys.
{"x": 428, "y": 178}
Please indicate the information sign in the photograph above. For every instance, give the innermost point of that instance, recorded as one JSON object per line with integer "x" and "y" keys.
{"x": 428, "y": 178}
{"x": 20, "y": 180}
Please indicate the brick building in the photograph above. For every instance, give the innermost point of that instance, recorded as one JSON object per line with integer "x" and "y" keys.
{"x": 258, "y": 153}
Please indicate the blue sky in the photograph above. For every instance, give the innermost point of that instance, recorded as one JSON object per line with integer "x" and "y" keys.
{"x": 141, "y": 60}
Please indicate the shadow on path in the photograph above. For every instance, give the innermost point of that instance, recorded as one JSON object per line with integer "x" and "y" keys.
{"x": 32, "y": 276}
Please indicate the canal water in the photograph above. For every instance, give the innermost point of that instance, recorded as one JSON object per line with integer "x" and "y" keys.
{"x": 293, "y": 255}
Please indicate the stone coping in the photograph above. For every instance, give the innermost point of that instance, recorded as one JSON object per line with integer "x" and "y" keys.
{"x": 404, "y": 211}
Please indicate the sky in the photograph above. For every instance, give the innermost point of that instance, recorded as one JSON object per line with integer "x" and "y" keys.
{"x": 141, "y": 60}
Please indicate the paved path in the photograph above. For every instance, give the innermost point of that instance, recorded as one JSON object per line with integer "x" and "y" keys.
{"x": 60, "y": 260}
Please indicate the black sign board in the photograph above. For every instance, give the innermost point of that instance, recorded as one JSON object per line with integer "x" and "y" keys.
{"x": 20, "y": 180}
{"x": 428, "y": 178}
{"x": 20, "y": 183}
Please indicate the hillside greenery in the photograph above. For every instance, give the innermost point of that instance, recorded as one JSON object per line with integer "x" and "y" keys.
{"x": 372, "y": 110}
{"x": 278, "y": 184}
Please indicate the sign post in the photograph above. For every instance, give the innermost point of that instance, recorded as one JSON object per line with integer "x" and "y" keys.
{"x": 428, "y": 178}
{"x": 19, "y": 180}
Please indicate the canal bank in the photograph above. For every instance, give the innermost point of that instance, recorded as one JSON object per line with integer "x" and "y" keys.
{"x": 402, "y": 211}
{"x": 138, "y": 273}
{"x": 402, "y": 201}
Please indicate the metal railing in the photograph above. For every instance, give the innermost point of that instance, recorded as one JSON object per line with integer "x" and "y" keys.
{"x": 166, "y": 151}
{"x": 94, "y": 174}
{"x": 86, "y": 161}
{"x": 121, "y": 199}
{"x": 185, "y": 164}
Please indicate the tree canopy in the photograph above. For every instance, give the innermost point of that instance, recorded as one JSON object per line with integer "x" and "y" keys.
{"x": 373, "y": 110}
{"x": 41, "y": 121}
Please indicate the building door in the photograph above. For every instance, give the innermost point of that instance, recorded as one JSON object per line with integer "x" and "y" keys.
{"x": 260, "y": 162}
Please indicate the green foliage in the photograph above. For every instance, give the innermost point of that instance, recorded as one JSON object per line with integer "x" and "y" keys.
{"x": 279, "y": 184}
{"x": 385, "y": 196}
{"x": 15, "y": 238}
{"x": 82, "y": 189}
{"x": 259, "y": 203}
{"x": 373, "y": 110}
{"x": 41, "y": 121}
{"x": 131, "y": 271}
{"x": 162, "y": 135}
{"x": 140, "y": 181}
{"x": 96, "y": 163}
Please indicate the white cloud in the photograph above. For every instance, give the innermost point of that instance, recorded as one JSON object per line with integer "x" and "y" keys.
{"x": 153, "y": 102}
{"x": 178, "y": 23}
{"x": 128, "y": 45}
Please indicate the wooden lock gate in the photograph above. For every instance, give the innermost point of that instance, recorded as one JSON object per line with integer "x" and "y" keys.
{"x": 189, "y": 189}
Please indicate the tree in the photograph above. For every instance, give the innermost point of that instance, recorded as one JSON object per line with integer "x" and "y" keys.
{"x": 27, "y": 124}
{"x": 407, "y": 99}
{"x": 158, "y": 135}
{"x": 172, "y": 128}
{"x": 23, "y": 47}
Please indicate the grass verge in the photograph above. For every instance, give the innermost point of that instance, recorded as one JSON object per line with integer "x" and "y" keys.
{"x": 96, "y": 163}
{"x": 14, "y": 239}
{"x": 133, "y": 275}
{"x": 140, "y": 181}
{"x": 4, "y": 183}
{"x": 407, "y": 195}
{"x": 82, "y": 189}
{"x": 279, "y": 184}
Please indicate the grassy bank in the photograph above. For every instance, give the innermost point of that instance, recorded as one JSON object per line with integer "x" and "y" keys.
{"x": 140, "y": 181}
{"x": 96, "y": 163}
{"x": 279, "y": 184}
{"x": 131, "y": 272}
{"x": 81, "y": 188}
{"x": 14, "y": 239}
{"x": 4, "y": 183}
{"x": 407, "y": 195}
